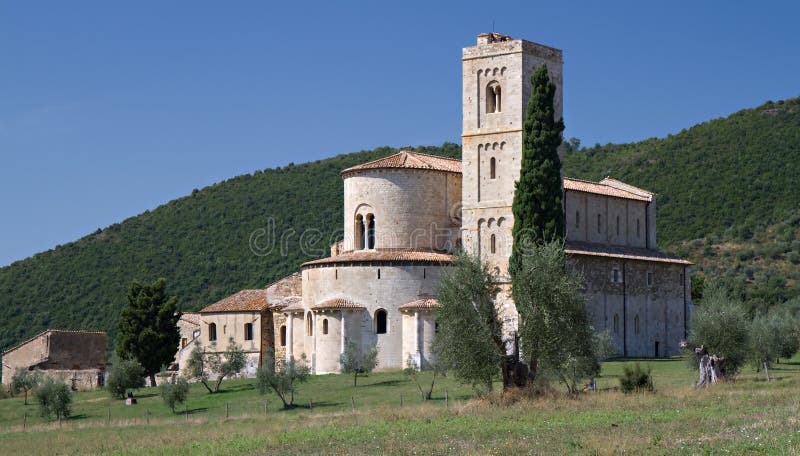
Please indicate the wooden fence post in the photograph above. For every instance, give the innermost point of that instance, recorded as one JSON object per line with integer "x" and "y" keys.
{"x": 401, "y": 400}
{"x": 353, "y": 402}
{"x": 25, "y": 421}
{"x": 446, "y": 399}
{"x": 227, "y": 410}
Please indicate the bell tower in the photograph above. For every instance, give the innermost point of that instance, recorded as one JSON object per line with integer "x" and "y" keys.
{"x": 496, "y": 77}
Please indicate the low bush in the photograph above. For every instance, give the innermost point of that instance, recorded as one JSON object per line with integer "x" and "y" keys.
{"x": 636, "y": 379}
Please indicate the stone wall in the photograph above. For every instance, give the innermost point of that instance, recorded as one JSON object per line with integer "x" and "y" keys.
{"x": 231, "y": 325}
{"x": 606, "y": 220}
{"x": 636, "y": 311}
{"x": 413, "y": 209}
{"x": 398, "y": 284}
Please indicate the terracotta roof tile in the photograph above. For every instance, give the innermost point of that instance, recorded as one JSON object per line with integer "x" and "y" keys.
{"x": 411, "y": 160}
{"x": 191, "y": 317}
{"x": 337, "y": 303}
{"x": 426, "y": 302}
{"x": 600, "y": 188}
{"x": 384, "y": 256}
{"x": 622, "y": 252}
{"x": 243, "y": 301}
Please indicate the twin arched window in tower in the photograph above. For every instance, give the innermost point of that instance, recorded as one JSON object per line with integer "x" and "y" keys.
{"x": 494, "y": 99}
{"x": 365, "y": 232}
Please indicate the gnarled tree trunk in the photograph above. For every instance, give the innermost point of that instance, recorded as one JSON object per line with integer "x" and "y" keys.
{"x": 708, "y": 367}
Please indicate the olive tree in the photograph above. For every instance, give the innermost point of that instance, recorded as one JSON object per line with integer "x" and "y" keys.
{"x": 354, "y": 360}
{"x": 284, "y": 379}
{"x": 24, "y": 381}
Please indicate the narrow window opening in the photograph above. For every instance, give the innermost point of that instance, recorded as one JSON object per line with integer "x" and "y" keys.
{"x": 336, "y": 274}
{"x": 618, "y": 225}
{"x": 436, "y": 327}
{"x": 359, "y": 233}
{"x": 248, "y": 331}
{"x": 616, "y": 323}
{"x": 370, "y": 231}
{"x": 649, "y": 278}
{"x": 599, "y": 223}
{"x": 325, "y": 326}
{"x": 212, "y": 332}
{"x": 638, "y": 229}
{"x": 309, "y": 325}
{"x": 424, "y": 273}
{"x": 492, "y": 167}
{"x": 283, "y": 336}
{"x": 380, "y": 321}
{"x": 616, "y": 275}
{"x": 636, "y": 325}
{"x": 492, "y": 244}
{"x": 379, "y": 274}
{"x": 184, "y": 342}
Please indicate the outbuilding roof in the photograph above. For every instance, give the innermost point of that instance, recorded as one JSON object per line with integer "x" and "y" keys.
{"x": 425, "y": 302}
{"x": 410, "y": 160}
{"x": 608, "y": 187}
{"x": 337, "y": 303}
{"x": 51, "y": 331}
{"x": 621, "y": 252}
{"x": 243, "y": 301}
{"x": 384, "y": 256}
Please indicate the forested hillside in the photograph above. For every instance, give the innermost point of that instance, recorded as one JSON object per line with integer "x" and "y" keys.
{"x": 726, "y": 189}
{"x": 728, "y": 195}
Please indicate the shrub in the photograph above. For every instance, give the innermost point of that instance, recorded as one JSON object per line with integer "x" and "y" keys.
{"x": 124, "y": 375}
{"x": 54, "y": 398}
{"x": 636, "y": 379}
{"x": 284, "y": 380}
{"x": 174, "y": 393}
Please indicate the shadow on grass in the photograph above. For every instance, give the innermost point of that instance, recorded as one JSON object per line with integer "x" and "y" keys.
{"x": 81, "y": 416}
{"x": 385, "y": 383}
{"x": 311, "y": 406}
{"x": 192, "y": 411}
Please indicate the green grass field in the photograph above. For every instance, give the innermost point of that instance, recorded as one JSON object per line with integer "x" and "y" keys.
{"x": 748, "y": 416}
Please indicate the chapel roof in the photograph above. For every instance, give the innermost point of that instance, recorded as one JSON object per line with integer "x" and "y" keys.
{"x": 286, "y": 302}
{"x": 410, "y": 160}
{"x": 384, "y": 256}
{"x": 425, "y": 302}
{"x": 621, "y": 252}
{"x": 243, "y": 301}
{"x": 337, "y": 303}
{"x": 294, "y": 307}
{"x": 608, "y": 187}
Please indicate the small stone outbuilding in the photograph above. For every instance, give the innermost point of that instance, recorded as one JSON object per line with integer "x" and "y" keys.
{"x": 78, "y": 358}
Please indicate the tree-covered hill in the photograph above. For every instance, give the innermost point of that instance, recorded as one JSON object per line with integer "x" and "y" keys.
{"x": 726, "y": 191}
{"x": 200, "y": 243}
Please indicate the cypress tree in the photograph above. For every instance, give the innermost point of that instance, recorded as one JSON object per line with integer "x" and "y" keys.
{"x": 538, "y": 214}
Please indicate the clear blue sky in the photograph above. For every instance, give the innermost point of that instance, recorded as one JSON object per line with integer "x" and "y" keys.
{"x": 108, "y": 109}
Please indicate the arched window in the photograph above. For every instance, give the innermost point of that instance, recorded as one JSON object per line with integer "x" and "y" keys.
{"x": 380, "y": 321}
{"x": 616, "y": 323}
{"x": 359, "y": 233}
{"x": 599, "y": 223}
{"x": 492, "y": 165}
{"x": 324, "y": 326}
{"x": 248, "y": 331}
{"x": 577, "y": 219}
{"x": 493, "y": 97}
{"x": 283, "y": 336}
{"x": 309, "y": 325}
{"x": 636, "y": 325}
{"x": 492, "y": 244}
{"x": 212, "y": 332}
{"x": 370, "y": 231}
{"x": 638, "y": 229}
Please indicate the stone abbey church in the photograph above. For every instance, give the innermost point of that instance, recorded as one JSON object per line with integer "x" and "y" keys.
{"x": 405, "y": 214}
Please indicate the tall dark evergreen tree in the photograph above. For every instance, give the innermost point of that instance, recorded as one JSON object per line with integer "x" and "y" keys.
{"x": 148, "y": 328}
{"x": 538, "y": 214}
